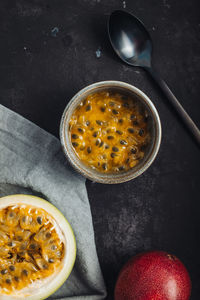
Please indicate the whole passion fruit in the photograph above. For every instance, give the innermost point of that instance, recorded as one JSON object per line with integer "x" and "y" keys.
{"x": 154, "y": 275}
{"x": 37, "y": 248}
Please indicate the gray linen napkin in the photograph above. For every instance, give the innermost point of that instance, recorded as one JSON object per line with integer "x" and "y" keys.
{"x": 32, "y": 162}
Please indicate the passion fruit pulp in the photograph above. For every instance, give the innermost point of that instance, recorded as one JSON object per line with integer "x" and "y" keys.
{"x": 37, "y": 247}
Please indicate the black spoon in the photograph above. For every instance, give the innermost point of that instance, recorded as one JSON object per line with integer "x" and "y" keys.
{"x": 132, "y": 43}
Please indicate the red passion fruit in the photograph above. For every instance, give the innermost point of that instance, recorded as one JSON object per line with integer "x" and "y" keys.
{"x": 154, "y": 275}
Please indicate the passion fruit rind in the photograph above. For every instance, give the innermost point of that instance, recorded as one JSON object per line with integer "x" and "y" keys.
{"x": 31, "y": 248}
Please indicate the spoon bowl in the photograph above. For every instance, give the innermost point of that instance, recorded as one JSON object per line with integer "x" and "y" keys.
{"x": 130, "y": 40}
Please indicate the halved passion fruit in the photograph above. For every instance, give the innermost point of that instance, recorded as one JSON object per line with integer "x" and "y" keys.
{"x": 37, "y": 248}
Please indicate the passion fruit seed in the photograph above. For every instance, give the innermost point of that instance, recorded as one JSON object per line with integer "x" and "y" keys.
{"x": 80, "y": 130}
{"x": 25, "y": 272}
{"x": 99, "y": 122}
{"x": 16, "y": 278}
{"x": 39, "y": 220}
{"x": 131, "y": 130}
{"x": 89, "y": 150}
{"x": 115, "y": 112}
{"x": 48, "y": 235}
{"x": 133, "y": 150}
{"x": 4, "y": 271}
{"x": 10, "y": 255}
{"x": 88, "y": 107}
{"x": 12, "y": 268}
{"x": 101, "y": 144}
{"x": 110, "y": 137}
{"x": 119, "y": 132}
{"x": 74, "y": 136}
{"x": 104, "y": 166}
{"x": 51, "y": 260}
{"x": 32, "y": 246}
{"x": 123, "y": 142}
{"x": 95, "y": 134}
{"x": 135, "y": 123}
{"x": 121, "y": 168}
{"x": 8, "y": 281}
{"x": 75, "y": 144}
{"x": 141, "y": 132}
{"x": 115, "y": 149}
{"x": 45, "y": 266}
{"x": 97, "y": 142}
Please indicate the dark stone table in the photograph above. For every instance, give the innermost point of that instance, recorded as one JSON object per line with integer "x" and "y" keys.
{"x": 49, "y": 51}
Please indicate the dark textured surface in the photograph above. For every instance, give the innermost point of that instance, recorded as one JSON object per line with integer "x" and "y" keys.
{"x": 48, "y": 53}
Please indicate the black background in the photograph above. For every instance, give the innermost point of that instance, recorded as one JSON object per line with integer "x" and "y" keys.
{"x": 40, "y": 71}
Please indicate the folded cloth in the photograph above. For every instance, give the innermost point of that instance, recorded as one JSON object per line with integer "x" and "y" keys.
{"x": 32, "y": 162}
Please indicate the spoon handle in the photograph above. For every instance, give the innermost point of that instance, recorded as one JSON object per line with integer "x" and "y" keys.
{"x": 173, "y": 100}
